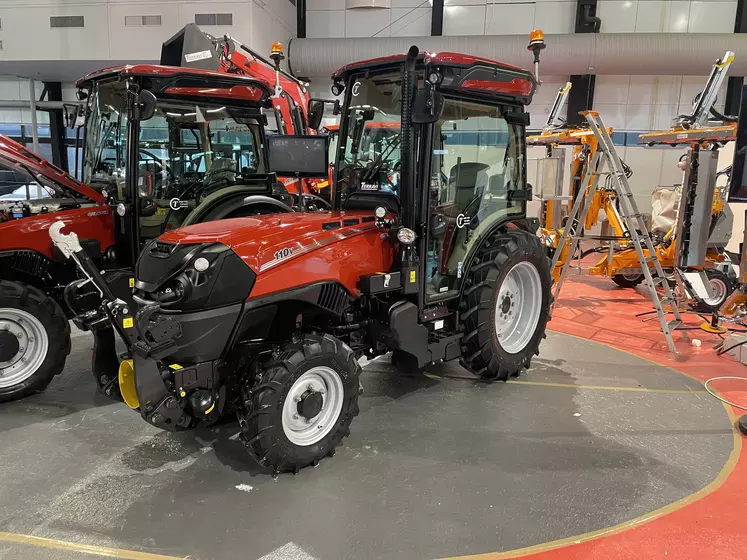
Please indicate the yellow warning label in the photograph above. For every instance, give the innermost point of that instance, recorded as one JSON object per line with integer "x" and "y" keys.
{"x": 132, "y": 282}
{"x": 127, "y": 323}
{"x": 161, "y": 212}
{"x": 176, "y": 367}
{"x": 412, "y": 276}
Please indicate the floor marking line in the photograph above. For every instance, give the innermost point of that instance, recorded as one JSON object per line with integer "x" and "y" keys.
{"x": 106, "y": 551}
{"x": 710, "y": 488}
{"x": 606, "y": 387}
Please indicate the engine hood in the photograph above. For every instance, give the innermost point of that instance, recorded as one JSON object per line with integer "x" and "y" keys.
{"x": 263, "y": 242}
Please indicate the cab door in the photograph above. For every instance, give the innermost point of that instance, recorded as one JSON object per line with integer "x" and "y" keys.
{"x": 478, "y": 164}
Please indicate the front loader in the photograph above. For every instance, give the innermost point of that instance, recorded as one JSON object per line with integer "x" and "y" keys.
{"x": 265, "y": 317}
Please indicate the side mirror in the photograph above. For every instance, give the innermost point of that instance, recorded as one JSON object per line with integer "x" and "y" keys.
{"x": 427, "y": 107}
{"x": 145, "y": 106}
{"x": 74, "y": 115}
{"x": 316, "y": 112}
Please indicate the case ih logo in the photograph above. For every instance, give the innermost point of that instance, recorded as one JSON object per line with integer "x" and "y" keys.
{"x": 462, "y": 220}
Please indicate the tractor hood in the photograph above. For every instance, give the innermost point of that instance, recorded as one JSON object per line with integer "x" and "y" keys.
{"x": 263, "y": 242}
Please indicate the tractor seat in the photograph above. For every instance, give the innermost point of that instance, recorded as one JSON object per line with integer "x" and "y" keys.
{"x": 463, "y": 179}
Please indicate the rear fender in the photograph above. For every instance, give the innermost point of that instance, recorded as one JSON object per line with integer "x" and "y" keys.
{"x": 221, "y": 205}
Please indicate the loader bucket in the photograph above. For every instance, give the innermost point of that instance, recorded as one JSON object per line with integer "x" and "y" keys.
{"x": 190, "y": 48}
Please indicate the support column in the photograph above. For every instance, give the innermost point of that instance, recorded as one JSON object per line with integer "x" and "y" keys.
{"x": 437, "y": 18}
{"x": 735, "y": 83}
{"x": 34, "y": 125}
{"x": 57, "y": 127}
{"x": 581, "y": 96}
{"x": 301, "y": 19}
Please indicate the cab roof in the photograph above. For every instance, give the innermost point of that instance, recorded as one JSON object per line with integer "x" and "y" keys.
{"x": 186, "y": 81}
{"x": 472, "y": 74}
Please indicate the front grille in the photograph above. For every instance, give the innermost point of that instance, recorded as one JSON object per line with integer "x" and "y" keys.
{"x": 31, "y": 263}
{"x": 333, "y": 297}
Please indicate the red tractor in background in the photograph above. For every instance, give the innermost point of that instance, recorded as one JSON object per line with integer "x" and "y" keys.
{"x": 200, "y": 156}
{"x": 265, "y": 317}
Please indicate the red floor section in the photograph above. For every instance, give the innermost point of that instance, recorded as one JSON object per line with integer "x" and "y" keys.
{"x": 714, "y": 527}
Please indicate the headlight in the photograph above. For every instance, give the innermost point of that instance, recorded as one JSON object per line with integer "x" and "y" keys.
{"x": 121, "y": 209}
{"x": 201, "y": 264}
{"x": 405, "y": 235}
{"x": 380, "y": 212}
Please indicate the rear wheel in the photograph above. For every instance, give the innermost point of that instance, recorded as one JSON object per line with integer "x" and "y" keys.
{"x": 506, "y": 306}
{"x": 301, "y": 404}
{"x": 627, "y": 280}
{"x": 34, "y": 340}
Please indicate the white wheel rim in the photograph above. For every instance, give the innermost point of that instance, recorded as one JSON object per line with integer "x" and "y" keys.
{"x": 518, "y": 307}
{"x": 33, "y": 345}
{"x": 304, "y": 431}
{"x": 719, "y": 292}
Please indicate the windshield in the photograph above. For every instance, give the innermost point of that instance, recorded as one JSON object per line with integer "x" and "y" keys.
{"x": 187, "y": 150}
{"x": 371, "y": 139}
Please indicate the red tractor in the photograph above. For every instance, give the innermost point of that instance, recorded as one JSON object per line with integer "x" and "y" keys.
{"x": 265, "y": 317}
{"x": 199, "y": 156}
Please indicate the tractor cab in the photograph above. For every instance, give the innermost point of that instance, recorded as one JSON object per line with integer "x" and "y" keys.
{"x": 460, "y": 172}
{"x": 171, "y": 146}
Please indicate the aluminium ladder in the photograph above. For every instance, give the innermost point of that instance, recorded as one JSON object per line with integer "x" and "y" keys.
{"x": 631, "y": 218}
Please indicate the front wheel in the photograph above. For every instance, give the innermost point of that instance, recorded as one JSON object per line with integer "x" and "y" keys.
{"x": 34, "y": 340}
{"x": 301, "y": 404}
{"x": 506, "y": 305}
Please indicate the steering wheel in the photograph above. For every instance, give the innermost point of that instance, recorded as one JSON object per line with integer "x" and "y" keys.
{"x": 315, "y": 201}
{"x": 157, "y": 164}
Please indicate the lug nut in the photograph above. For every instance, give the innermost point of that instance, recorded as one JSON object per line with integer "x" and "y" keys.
{"x": 20, "y": 335}
{"x": 310, "y": 387}
{"x": 295, "y": 416}
{"x": 308, "y": 420}
{"x": 297, "y": 399}
{"x": 321, "y": 391}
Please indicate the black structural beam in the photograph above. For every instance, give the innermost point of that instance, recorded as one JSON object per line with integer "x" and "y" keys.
{"x": 57, "y": 126}
{"x": 301, "y": 19}
{"x": 437, "y": 18}
{"x": 735, "y": 83}
{"x": 581, "y": 96}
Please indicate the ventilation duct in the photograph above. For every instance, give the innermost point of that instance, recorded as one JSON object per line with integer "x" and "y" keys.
{"x": 669, "y": 54}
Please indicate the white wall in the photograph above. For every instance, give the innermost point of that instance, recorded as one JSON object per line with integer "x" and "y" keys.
{"x": 26, "y": 34}
{"x": 329, "y": 18}
{"x": 17, "y": 89}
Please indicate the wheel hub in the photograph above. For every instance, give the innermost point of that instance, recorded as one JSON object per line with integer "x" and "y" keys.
{"x": 518, "y": 307}
{"x": 311, "y": 404}
{"x": 506, "y": 304}
{"x": 23, "y": 346}
{"x": 8, "y": 346}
